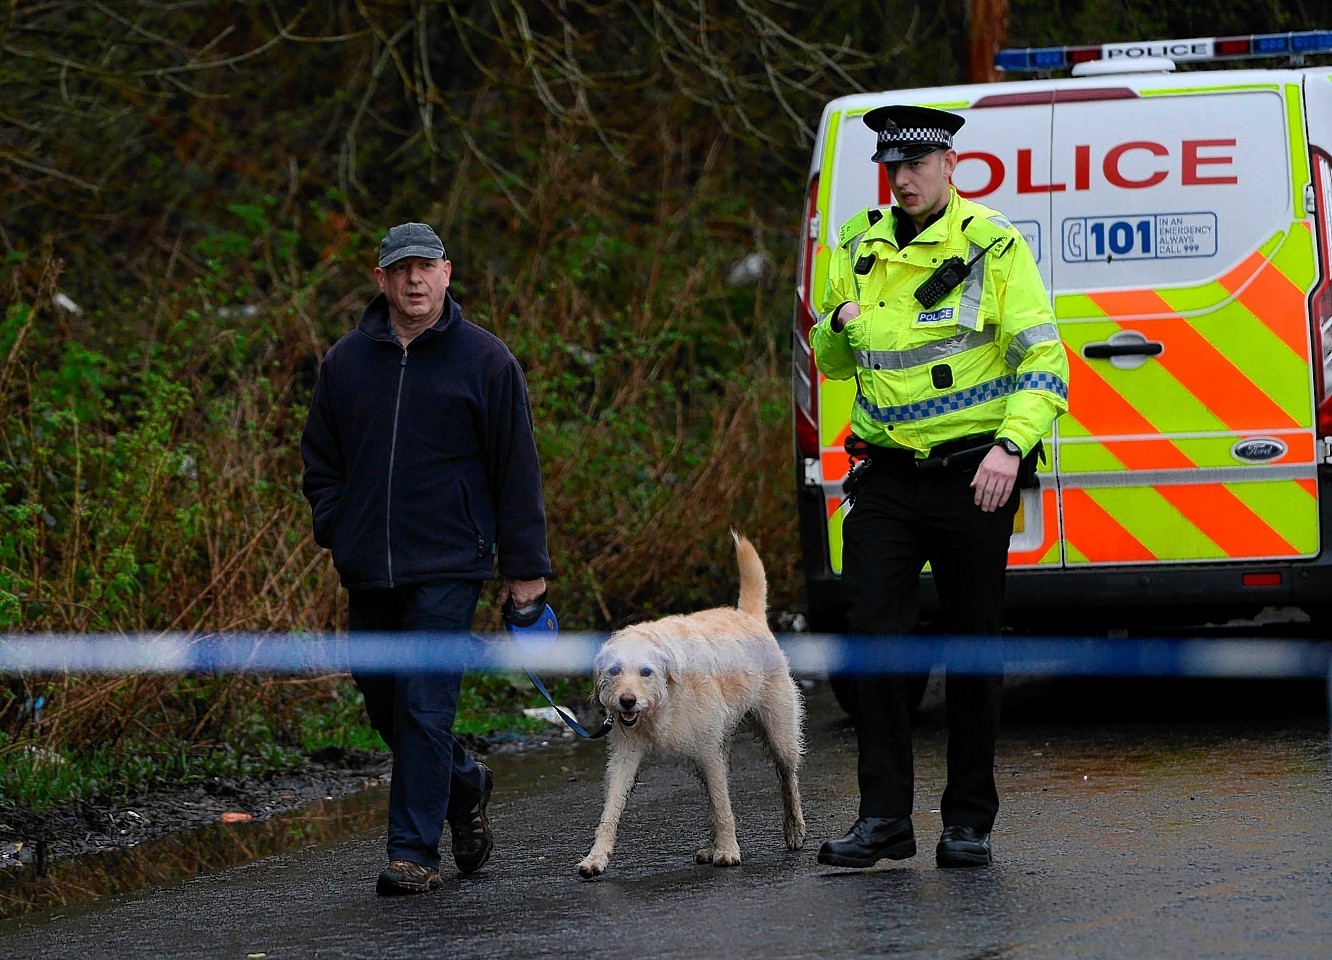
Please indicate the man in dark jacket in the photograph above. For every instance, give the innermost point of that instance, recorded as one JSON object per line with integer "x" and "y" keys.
{"x": 421, "y": 470}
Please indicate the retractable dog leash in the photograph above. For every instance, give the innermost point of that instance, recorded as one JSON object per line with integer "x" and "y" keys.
{"x": 534, "y": 627}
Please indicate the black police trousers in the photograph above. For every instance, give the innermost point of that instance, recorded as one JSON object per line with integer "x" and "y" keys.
{"x": 901, "y": 519}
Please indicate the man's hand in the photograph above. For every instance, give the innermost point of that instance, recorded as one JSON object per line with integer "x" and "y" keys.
{"x": 995, "y": 478}
{"x": 522, "y": 591}
{"x": 845, "y": 314}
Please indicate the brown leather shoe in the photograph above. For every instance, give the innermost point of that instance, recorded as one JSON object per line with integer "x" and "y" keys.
{"x": 472, "y": 839}
{"x": 404, "y": 876}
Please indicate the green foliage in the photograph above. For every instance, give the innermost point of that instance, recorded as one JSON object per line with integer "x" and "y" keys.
{"x": 43, "y": 777}
{"x": 338, "y": 721}
{"x": 493, "y": 703}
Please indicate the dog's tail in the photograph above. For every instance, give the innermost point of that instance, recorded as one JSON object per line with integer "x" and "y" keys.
{"x": 753, "y": 581}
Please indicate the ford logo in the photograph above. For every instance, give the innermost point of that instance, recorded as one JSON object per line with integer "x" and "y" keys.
{"x": 1258, "y": 450}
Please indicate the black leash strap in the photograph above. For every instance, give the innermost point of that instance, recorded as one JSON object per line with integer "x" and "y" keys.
{"x": 573, "y": 724}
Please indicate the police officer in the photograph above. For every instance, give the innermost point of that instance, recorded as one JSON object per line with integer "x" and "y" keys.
{"x": 937, "y": 310}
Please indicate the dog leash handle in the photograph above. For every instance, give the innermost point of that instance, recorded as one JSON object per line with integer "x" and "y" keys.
{"x": 537, "y": 623}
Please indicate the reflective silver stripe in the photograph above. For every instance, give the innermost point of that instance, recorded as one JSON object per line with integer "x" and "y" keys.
{"x": 929, "y": 353}
{"x": 1187, "y": 476}
{"x": 972, "y": 289}
{"x": 851, "y": 247}
{"x": 1024, "y": 340}
{"x": 1000, "y": 221}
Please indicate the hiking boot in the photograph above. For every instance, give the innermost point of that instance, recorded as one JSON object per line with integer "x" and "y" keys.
{"x": 472, "y": 839}
{"x": 405, "y": 876}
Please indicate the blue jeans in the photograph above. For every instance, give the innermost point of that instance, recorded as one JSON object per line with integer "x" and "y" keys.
{"x": 413, "y": 710}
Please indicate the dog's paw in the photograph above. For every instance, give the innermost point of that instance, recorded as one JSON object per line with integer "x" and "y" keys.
{"x": 726, "y": 858}
{"x": 592, "y": 867}
{"x": 704, "y": 855}
{"x": 795, "y": 835}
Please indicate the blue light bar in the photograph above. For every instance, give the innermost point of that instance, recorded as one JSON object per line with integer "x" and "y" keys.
{"x": 1200, "y": 49}
{"x": 1311, "y": 41}
{"x": 1271, "y": 44}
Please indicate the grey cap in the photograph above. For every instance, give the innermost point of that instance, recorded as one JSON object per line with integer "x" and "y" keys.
{"x": 410, "y": 240}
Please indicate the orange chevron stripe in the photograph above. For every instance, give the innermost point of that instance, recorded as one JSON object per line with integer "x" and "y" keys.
{"x": 1299, "y": 448}
{"x": 1214, "y": 379}
{"x": 1242, "y": 271}
{"x": 833, "y": 460}
{"x": 1148, "y": 454}
{"x": 1130, "y": 303}
{"x": 1277, "y": 302}
{"x": 1227, "y": 521}
{"x": 833, "y": 463}
{"x": 1098, "y": 406}
{"x": 1097, "y": 535}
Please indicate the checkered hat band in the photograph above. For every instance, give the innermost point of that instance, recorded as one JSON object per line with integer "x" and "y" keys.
{"x": 916, "y": 135}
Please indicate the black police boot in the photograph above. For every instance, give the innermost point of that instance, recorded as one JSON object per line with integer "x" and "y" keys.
{"x": 872, "y": 839}
{"x": 963, "y": 847}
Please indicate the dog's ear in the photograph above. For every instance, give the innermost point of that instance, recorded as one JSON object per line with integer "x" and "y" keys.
{"x": 602, "y": 662}
{"x": 670, "y": 667}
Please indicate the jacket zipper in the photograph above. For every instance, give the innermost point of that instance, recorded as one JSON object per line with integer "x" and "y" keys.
{"x": 393, "y": 451}
{"x": 471, "y": 518}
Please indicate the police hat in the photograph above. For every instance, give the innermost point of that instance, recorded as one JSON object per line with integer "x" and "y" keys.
{"x": 906, "y": 133}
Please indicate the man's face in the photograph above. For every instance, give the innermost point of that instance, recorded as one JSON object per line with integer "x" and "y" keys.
{"x": 415, "y": 289}
{"x": 920, "y": 186}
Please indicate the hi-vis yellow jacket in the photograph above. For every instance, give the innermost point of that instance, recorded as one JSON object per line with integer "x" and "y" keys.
{"x": 987, "y": 358}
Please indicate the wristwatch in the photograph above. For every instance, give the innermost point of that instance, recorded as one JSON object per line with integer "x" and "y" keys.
{"x": 1008, "y": 445}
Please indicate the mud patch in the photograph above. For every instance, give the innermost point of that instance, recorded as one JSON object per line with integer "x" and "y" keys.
{"x": 38, "y": 839}
{"x": 60, "y": 857}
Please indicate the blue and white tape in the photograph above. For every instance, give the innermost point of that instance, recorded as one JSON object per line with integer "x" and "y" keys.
{"x": 810, "y": 655}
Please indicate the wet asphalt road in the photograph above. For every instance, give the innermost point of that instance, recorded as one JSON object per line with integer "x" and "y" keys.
{"x": 1140, "y": 819}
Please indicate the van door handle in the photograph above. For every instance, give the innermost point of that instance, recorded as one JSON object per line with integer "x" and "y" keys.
{"x": 1125, "y": 349}
{"x": 1104, "y": 351}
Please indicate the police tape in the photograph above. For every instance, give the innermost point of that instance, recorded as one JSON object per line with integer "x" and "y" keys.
{"x": 572, "y": 653}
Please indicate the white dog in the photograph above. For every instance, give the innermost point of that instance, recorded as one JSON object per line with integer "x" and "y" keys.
{"x": 682, "y": 685}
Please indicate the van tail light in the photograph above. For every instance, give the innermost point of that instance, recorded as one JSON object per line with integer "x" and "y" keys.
{"x": 1321, "y": 301}
{"x": 804, "y": 373}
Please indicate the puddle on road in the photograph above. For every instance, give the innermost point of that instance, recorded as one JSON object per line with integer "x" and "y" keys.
{"x": 203, "y": 850}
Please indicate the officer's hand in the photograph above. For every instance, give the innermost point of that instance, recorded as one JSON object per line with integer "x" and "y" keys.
{"x": 845, "y": 314}
{"x": 995, "y": 479}
{"x": 522, "y": 591}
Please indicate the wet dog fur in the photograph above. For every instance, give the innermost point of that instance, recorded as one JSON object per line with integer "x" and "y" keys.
{"x": 681, "y": 686}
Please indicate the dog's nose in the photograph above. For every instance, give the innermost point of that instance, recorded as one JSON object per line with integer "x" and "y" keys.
{"x": 627, "y": 701}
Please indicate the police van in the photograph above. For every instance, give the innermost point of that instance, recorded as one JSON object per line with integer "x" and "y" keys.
{"x": 1182, "y": 222}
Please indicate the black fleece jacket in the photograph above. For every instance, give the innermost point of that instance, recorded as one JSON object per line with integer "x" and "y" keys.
{"x": 420, "y": 464}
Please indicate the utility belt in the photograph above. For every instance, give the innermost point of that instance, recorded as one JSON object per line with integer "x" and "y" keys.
{"x": 955, "y": 456}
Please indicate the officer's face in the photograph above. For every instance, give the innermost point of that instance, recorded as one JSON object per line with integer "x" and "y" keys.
{"x": 920, "y": 186}
{"x": 415, "y": 289}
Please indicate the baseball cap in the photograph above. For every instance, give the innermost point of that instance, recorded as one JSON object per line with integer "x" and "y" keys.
{"x": 410, "y": 240}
